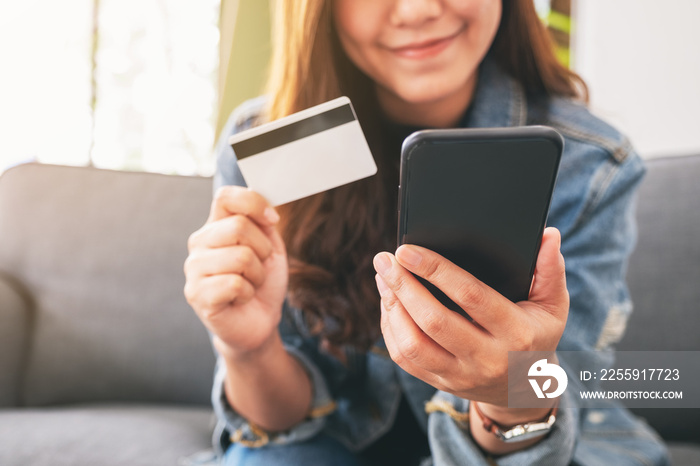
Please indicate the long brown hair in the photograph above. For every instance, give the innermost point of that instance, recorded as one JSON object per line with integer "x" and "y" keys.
{"x": 332, "y": 237}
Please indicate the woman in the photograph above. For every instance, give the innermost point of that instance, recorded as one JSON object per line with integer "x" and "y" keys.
{"x": 330, "y": 351}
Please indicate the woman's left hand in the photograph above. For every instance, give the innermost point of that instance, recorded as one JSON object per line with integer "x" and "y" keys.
{"x": 443, "y": 348}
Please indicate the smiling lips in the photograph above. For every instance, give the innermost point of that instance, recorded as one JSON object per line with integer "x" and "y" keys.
{"x": 425, "y": 49}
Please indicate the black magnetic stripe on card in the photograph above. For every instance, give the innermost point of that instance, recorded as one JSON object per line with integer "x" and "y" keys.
{"x": 294, "y": 131}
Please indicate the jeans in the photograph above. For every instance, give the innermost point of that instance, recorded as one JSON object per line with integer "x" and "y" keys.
{"x": 320, "y": 450}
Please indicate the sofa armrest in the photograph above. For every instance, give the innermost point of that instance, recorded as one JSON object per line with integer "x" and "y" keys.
{"x": 15, "y": 319}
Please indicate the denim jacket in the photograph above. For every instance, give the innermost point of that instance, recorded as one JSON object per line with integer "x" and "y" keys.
{"x": 592, "y": 206}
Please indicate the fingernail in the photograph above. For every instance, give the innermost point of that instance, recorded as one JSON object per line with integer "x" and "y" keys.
{"x": 409, "y": 256}
{"x": 382, "y": 263}
{"x": 271, "y": 215}
{"x": 554, "y": 231}
{"x": 382, "y": 286}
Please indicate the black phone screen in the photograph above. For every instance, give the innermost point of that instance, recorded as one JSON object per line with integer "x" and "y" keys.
{"x": 480, "y": 198}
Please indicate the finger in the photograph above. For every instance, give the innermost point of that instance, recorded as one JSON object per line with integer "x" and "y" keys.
{"x": 276, "y": 241}
{"x": 240, "y": 260}
{"x": 231, "y": 200}
{"x": 412, "y": 345}
{"x": 230, "y": 231}
{"x": 483, "y": 304}
{"x": 395, "y": 354}
{"x": 447, "y": 328}
{"x": 212, "y": 294}
{"x": 549, "y": 286}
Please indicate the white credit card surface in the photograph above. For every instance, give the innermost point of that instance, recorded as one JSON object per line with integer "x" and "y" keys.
{"x": 311, "y": 151}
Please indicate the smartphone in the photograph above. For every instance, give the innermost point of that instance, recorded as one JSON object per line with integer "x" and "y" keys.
{"x": 480, "y": 198}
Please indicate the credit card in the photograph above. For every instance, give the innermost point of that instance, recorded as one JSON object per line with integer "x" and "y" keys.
{"x": 305, "y": 153}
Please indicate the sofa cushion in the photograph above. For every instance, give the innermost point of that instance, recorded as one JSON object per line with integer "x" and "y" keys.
{"x": 103, "y": 435}
{"x": 664, "y": 275}
{"x": 684, "y": 453}
{"x": 14, "y": 340}
{"x": 102, "y": 253}
{"x": 664, "y": 269}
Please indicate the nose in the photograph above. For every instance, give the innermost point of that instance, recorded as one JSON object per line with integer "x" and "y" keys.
{"x": 412, "y": 13}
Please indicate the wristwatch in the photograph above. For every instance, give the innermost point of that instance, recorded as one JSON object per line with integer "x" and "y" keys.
{"x": 520, "y": 432}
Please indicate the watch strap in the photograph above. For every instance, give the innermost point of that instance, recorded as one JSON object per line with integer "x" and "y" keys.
{"x": 518, "y": 432}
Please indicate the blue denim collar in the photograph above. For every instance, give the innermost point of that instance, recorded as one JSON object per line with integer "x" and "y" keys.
{"x": 499, "y": 100}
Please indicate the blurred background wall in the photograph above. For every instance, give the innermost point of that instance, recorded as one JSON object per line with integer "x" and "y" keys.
{"x": 642, "y": 63}
{"x": 244, "y": 53}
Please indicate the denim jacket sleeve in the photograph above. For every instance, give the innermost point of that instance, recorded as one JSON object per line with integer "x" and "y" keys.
{"x": 593, "y": 207}
{"x": 230, "y": 425}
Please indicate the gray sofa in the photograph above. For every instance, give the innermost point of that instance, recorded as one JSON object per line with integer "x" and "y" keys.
{"x": 664, "y": 279}
{"x": 102, "y": 362}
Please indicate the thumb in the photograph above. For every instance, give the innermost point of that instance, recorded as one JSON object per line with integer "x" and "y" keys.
{"x": 549, "y": 286}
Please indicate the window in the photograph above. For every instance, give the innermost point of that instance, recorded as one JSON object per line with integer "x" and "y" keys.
{"x": 155, "y": 81}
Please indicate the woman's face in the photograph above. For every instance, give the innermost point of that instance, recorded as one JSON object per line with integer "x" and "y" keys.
{"x": 418, "y": 52}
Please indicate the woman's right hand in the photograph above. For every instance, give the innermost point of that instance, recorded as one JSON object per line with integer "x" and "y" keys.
{"x": 236, "y": 272}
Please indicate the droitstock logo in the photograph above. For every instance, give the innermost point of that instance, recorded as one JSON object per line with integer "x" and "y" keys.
{"x": 542, "y": 369}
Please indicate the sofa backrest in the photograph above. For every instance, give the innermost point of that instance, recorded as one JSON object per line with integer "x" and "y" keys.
{"x": 97, "y": 256}
{"x": 664, "y": 277}
{"x": 664, "y": 270}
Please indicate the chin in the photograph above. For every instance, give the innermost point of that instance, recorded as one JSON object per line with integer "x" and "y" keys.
{"x": 428, "y": 93}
